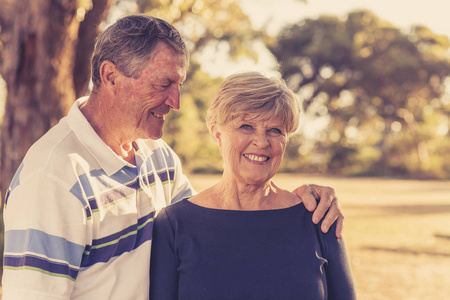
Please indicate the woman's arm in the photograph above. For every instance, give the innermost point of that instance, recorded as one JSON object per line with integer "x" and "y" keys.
{"x": 339, "y": 275}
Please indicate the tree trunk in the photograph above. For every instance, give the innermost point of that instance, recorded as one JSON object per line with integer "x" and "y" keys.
{"x": 42, "y": 40}
{"x": 89, "y": 29}
{"x": 37, "y": 66}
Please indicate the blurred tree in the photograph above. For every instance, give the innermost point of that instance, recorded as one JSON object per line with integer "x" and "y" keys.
{"x": 378, "y": 90}
{"x": 206, "y": 25}
{"x": 44, "y": 45}
{"x": 45, "y": 64}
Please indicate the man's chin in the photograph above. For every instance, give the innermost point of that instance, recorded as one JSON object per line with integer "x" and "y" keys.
{"x": 155, "y": 135}
{"x": 151, "y": 132}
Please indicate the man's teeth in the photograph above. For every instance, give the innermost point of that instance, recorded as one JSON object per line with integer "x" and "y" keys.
{"x": 256, "y": 158}
{"x": 159, "y": 116}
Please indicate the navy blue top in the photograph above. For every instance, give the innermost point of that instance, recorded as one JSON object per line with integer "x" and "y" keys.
{"x": 204, "y": 253}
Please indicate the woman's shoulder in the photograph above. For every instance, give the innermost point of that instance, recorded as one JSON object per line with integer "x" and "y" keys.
{"x": 176, "y": 206}
{"x": 205, "y": 199}
{"x": 285, "y": 199}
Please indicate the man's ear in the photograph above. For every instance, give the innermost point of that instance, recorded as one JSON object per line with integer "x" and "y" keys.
{"x": 108, "y": 74}
{"x": 215, "y": 133}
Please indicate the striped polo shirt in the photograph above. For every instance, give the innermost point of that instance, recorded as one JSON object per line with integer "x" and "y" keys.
{"x": 79, "y": 219}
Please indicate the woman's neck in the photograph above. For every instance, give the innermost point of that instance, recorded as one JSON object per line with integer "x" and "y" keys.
{"x": 230, "y": 195}
{"x": 235, "y": 195}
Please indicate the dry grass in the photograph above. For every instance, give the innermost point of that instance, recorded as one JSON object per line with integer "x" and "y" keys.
{"x": 397, "y": 233}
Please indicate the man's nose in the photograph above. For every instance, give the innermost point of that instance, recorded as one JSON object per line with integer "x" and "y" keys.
{"x": 173, "y": 99}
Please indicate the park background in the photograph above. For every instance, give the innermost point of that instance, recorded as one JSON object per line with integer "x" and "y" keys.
{"x": 373, "y": 78}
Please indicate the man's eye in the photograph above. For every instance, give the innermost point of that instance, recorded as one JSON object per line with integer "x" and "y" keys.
{"x": 160, "y": 87}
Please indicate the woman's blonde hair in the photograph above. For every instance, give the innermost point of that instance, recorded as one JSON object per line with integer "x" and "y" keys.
{"x": 253, "y": 96}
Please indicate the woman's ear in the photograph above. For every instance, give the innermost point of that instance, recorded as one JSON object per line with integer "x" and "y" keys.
{"x": 108, "y": 74}
{"x": 215, "y": 133}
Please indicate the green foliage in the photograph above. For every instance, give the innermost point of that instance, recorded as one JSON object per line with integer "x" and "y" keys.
{"x": 381, "y": 90}
{"x": 205, "y": 24}
{"x": 185, "y": 130}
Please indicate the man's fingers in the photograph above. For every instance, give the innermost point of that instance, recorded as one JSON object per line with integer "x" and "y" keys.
{"x": 340, "y": 226}
{"x": 307, "y": 196}
{"x": 328, "y": 204}
{"x": 334, "y": 213}
{"x": 326, "y": 196}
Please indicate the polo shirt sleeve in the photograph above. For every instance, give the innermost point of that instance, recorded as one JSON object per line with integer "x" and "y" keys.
{"x": 46, "y": 230}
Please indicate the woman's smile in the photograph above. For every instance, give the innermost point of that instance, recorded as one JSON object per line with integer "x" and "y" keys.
{"x": 256, "y": 158}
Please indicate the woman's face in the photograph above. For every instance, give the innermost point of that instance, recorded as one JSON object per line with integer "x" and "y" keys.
{"x": 252, "y": 150}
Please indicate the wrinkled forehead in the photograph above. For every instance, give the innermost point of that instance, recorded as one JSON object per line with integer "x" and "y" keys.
{"x": 166, "y": 51}
{"x": 168, "y": 63}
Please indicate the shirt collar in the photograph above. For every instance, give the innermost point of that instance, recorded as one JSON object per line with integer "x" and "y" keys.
{"x": 109, "y": 161}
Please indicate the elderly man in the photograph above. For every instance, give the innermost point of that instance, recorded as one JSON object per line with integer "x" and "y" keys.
{"x": 79, "y": 211}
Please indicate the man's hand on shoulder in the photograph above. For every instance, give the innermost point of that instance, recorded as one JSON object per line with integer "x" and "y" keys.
{"x": 310, "y": 193}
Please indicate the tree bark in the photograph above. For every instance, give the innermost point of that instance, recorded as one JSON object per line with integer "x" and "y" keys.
{"x": 37, "y": 66}
{"x": 89, "y": 29}
{"x": 39, "y": 47}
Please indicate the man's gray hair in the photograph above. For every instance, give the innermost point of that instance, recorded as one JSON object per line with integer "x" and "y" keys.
{"x": 130, "y": 42}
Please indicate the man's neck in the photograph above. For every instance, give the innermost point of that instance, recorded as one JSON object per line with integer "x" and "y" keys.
{"x": 127, "y": 153}
{"x": 102, "y": 121}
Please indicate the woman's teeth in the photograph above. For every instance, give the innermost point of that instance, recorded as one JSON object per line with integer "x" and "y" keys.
{"x": 256, "y": 158}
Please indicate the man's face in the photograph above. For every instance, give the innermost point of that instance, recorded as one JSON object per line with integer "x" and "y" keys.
{"x": 148, "y": 99}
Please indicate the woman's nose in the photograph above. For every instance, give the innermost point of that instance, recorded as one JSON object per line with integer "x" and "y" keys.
{"x": 261, "y": 140}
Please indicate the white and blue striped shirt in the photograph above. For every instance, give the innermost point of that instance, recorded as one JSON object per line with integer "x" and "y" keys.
{"x": 79, "y": 219}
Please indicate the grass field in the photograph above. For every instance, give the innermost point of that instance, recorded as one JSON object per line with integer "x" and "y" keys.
{"x": 397, "y": 233}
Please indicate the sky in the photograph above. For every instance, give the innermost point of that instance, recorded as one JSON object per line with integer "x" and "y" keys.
{"x": 434, "y": 14}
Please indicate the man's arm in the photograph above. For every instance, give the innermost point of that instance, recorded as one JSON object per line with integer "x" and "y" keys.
{"x": 45, "y": 229}
{"x": 181, "y": 186}
{"x": 310, "y": 193}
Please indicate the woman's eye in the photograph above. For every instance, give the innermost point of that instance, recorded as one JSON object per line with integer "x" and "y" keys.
{"x": 245, "y": 126}
{"x": 275, "y": 130}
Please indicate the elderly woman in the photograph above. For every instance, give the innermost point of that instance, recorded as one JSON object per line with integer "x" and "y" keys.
{"x": 245, "y": 237}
